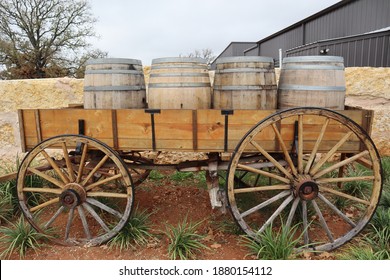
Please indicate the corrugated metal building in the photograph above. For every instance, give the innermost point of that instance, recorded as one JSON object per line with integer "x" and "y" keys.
{"x": 355, "y": 29}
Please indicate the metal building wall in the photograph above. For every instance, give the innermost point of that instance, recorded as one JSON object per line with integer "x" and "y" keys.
{"x": 356, "y": 17}
{"x": 346, "y": 18}
{"x": 372, "y": 49}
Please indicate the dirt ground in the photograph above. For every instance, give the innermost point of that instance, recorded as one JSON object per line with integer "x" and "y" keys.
{"x": 169, "y": 201}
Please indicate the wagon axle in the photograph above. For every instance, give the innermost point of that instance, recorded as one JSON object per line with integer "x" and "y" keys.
{"x": 305, "y": 188}
{"x": 73, "y": 195}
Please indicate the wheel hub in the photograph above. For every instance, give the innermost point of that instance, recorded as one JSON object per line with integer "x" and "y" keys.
{"x": 73, "y": 195}
{"x": 305, "y": 187}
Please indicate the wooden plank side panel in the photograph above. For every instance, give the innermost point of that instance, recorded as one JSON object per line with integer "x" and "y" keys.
{"x": 174, "y": 129}
{"x": 54, "y": 122}
{"x": 134, "y": 129}
{"x": 30, "y": 131}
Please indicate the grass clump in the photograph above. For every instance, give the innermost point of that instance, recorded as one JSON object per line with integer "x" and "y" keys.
{"x": 357, "y": 188}
{"x": 20, "y": 237}
{"x": 181, "y": 176}
{"x": 7, "y": 202}
{"x": 273, "y": 244}
{"x": 136, "y": 232}
{"x": 184, "y": 241}
{"x": 358, "y": 252}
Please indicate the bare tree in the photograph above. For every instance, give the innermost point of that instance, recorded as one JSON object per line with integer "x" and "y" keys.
{"x": 206, "y": 54}
{"x": 43, "y": 38}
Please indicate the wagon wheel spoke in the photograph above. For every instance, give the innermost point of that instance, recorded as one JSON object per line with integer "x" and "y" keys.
{"x": 69, "y": 223}
{"x": 95, "y": 169}
{"x": 103, "y": 181}
{"x": 316, "y": 146}
{"x": 104, "y": 207}
{"x": 271, "y": 159}
{"x": 82, "y": 163}
{"x": 80, "y": 210}
{"x": 56, "y": 214}
{"x": 68, "y": 162}
{"x": 55, "y": 167}
{"x": 292, "y": 212}
{"x": 330, "y": 153}
{"x": 95, "y": 181}
{"x": 44, "y": 204}
{"x": 322, "y": 221}
{"x": 330, "y": 188}
{"x": 284, "y": 149}
{"x": 93, "y": 213}
{"x": 305, "y": 223}
{"x": 46, "y": 177}
{"x": 276, "y": 213}
{"x": 336, "y": 210}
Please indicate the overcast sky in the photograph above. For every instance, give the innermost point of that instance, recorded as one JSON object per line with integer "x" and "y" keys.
{"x": 147, "y": 29}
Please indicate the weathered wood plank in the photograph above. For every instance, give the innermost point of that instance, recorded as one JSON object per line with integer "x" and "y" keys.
{"x": 175, "y": 129}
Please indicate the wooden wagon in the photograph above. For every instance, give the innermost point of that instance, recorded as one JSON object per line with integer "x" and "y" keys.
{"x": 310, "y": 169}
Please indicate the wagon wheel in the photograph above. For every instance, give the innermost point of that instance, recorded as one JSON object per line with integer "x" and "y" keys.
{"x": 323, "y": 190}
{"x": 75, "y": 189}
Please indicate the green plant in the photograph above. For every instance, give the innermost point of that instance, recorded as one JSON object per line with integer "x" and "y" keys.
{"x": 385, "y": 199}
{"x": 184, "y": 241}
{"x": 272, "y": 244}
{"x": 155, "y": 175}
{"x": 181, "y": 176}
{"x": 20, "y": 236}
{"x": 359, "y": 252}
{"x": 6, "y": 208}
{"x": 136, "y": 231}
{"x": 386, "y": 171}
{"x": 228, "y": 226}
{"x": 381, "y": 218}
{"x": 357, "y": 188}
{"x": 379, "y": 240}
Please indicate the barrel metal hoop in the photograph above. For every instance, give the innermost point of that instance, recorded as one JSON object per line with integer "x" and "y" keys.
{"x": 179, "y": 75}
{"x": 312, "y": 67}
{"x": 179, "y": 60}
{"x": 113, "y": 71}
{"x": 238, "y": 59}
{"x": 238, "y": 88}
{"x": 178, "y": 85}
{"x": 113, "y": 88}
{"x": 114, "y": 61}
{"x": 180, "y": 66}
{"x": 244, "y": 70}
{"x": 314, "y": 58}
{"x": 312, "y": 88}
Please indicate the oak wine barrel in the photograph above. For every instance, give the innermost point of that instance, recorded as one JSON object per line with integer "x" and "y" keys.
{"x": 245, "y": 82}
{"x": 312, "y": 81}
{"x": 179, "y": 83}
{"x": 114, "y": 83}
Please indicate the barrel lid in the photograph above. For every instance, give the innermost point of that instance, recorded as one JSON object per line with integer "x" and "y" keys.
{"x": 113, "y": 61}
{"x": 179, "y": 59}
{"x": 233, "y": 59}
{"x": 314, "y": 58}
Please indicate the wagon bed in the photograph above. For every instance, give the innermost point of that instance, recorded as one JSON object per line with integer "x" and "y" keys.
{"x": 179, "y": 130}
